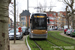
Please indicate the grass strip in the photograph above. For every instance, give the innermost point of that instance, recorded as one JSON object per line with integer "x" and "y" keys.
{"x": 25, "y": 42}
{"x": 58, "y": 42}
{"x": 46, "y": 45}
{"x": 57, "y": 35}
{"x": 32, "y": 45}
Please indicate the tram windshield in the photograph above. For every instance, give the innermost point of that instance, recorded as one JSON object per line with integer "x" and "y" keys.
{"x": 39, "y": 22}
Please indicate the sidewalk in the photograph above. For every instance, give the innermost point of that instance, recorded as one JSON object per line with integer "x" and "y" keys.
{"x": 67, "y": 36}
{"x": 19, "y": 45}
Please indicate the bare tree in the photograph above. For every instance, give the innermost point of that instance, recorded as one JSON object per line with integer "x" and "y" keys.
{"x": 45, "y": 5}
{"x": 71, "y": 10}
{"x": 42, "y": 7}
{"x": 67, "y": 16}
{"x": 4, "y": 40}
{"x": 50, "y": 6}
{"x": 11, "y": 8}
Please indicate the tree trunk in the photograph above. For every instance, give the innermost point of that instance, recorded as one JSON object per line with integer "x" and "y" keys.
{"x": 4, "y": 40}
{"x": 72, "y": 21}
{"x": 68, "y": 22}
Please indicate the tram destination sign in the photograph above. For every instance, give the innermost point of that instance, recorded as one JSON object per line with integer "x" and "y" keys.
{"x": 39, "y": 16}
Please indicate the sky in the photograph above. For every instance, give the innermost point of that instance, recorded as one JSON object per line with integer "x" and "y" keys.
{"x": 22, "y": 5}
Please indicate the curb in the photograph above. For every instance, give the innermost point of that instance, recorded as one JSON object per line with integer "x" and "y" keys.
{"x": 28, "y": 44}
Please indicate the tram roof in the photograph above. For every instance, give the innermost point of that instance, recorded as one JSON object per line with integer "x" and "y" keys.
{"x": 39, "y": 13}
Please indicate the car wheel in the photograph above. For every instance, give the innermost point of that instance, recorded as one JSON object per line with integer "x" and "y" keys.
{"x": 28, "y": 33}
{"x": 24, "y": 33}
{"x": 20, "y": 38}
{"x": 71, "y": 35}
{"x": 66, "y": 33}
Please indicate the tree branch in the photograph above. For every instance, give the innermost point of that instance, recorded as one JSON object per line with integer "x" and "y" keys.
{"x": 67, "y": 3}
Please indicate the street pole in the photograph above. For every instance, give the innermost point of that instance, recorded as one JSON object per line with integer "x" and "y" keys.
{"x": 14, "y": 21}
{"x": 27, "y": 4}
{"x": 27, "y": 16}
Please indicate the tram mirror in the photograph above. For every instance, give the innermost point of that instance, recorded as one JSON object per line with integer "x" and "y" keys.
{"x": 48, "y": 20}
{"x": 30, "y": 20}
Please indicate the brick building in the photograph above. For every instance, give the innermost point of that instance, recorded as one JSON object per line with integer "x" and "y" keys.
{"x": 53, "y": 19}
{"x": 61, "y": 20}
{"x": 23, "y": 19}
{"x": 57, "y": 19}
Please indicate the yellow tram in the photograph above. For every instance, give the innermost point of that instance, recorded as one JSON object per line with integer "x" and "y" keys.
{"x": 38, "y": 25}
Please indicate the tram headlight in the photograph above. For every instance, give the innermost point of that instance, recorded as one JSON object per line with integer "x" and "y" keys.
{"x": 32, "y": 31}
{"x": 46, "y": 31}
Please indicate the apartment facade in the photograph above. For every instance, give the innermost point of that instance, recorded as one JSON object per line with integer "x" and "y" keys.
{"x": 57, "y": 19}
{"x": 61, "y": 20}
{"x": 53, "y": 19}
{"x": 23, "y": 19}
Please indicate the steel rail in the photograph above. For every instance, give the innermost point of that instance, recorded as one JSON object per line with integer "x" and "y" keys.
{"x": 37, "y": 45}
{"x": 62, "y": 40}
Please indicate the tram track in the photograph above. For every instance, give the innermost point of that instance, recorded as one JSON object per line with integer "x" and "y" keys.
{"x": 55, "y": 45}
{"x": 48, "y": 42}
{"x": 37, "y": 45}
{"x": 61, "y": 40}
{"x": 51, "y": 43}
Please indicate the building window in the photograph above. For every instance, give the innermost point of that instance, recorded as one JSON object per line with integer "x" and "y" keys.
{"x": 22, "y": 18}
{"x": 23, "y": 23}
{"x": 54, "y": 13}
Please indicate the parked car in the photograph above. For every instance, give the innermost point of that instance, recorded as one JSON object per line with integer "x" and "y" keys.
{"x": 56, "y": 28}
{"x": 9, "y": 29}
{"x": 51, "y": 29}
{"x": 68, "y": 32}
{"x": 19, "y": 35}
{"x": 27, "y": 31}
{"x": 65, "y": 30}
{"x": 73, "y": 32}
{"x": 23, "y": 30}
{"x": 60, "y": 28}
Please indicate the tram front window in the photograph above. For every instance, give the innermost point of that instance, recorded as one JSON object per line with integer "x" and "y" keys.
{"x": 39, "y": 23}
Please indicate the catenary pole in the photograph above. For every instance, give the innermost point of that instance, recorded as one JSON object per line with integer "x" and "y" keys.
{"x": 27, "y": 16}
{"x": 14, "y": 21}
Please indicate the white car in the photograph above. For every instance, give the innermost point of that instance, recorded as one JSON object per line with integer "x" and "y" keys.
{"x": 68, "y": 32}
{"x": 19, "y": 35}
